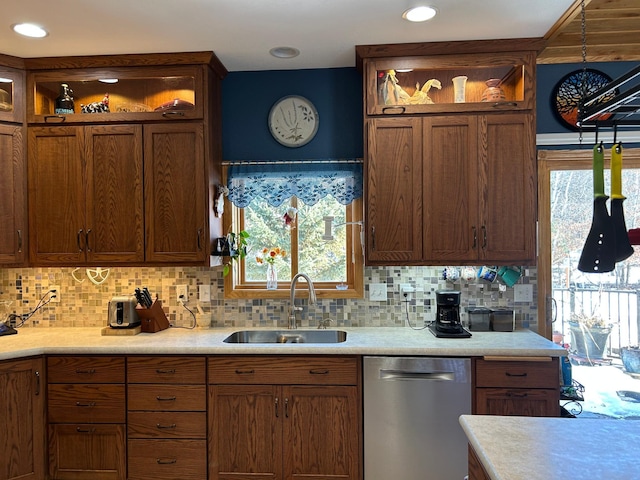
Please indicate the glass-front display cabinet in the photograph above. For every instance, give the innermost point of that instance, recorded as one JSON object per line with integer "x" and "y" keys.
{"x": 11, "y": 95}
{"x": 450, "y": 83}
{"x": 116, "y": 94}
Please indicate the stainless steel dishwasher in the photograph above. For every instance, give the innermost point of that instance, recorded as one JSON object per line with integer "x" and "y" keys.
{"x": 411, "y": 410}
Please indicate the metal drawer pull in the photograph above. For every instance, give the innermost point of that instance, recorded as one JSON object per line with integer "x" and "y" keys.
{"x": 173, "y": 113}
{"x": 165, "y": 399}
{"x": 19, "y": 241}
{"x": 90, "y": 371}
{"x": 173, "y": 425}
{"x": 286, "y": 408}
{"x": 393, "y": 110}
{"x": 58, "y": 118}
{"x": 85, "y": 430}
{"x": 245, "y": 372}
{"x": 517, "y": 395}
{"x": 509, "y": 374}
{"x": 37, "y": 374}
{"x": 504, "y": 104}
{"x": 166, "y": 461}
{"x": 87, "y": 404}
{"x": 318, "y": 372}
{"x": 167, "y": 372}
{"x": 277, "y": 413}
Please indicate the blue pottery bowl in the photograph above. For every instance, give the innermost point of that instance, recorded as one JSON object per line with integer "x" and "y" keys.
{"x": 631, "y": 359}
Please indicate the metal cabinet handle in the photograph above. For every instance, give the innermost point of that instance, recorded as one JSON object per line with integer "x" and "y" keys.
{"x": 484, "y": 237}
{"x": 173, "y": 425}
{"x": 166, "y": 461}
{"x": 58, "y": 118}
{"x": 318, "y": 372}
{"x": 517, "y": 394}
{"x": 392, "y": 110}
{"x": 37, "y": 374}
{"x": 199, "y": 238}
{"x": 504, "y": 104}
{"x": 19, "y": 241}
{"x": 86, "y": 240}
{"x": 509, "y": 374}
{"x": 276, "y": 406}
{"x": 85, "y": 404}
{"x": 160, "y": 371}
{"x": 89, "y": 371}
{"x": 475, "y": 237}
{"x": 373, "y": 238}
{"x": 85, "y": 430}
{"x": 78, "y": 240}
{"x": 244, "y": 372}
{"x": 165, "y": 399}
{"x": 286, "y": 408}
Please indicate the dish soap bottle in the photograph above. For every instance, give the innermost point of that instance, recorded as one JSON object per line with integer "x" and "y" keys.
{"x": 64, "y": 102}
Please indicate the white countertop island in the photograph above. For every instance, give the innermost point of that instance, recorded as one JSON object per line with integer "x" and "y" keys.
{"x": 530, "y": 448}
{"x": 205, "y": 341}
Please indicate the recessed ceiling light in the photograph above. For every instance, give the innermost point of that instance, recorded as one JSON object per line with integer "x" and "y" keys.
{"x": 419, "y": 14}
{"x": 30, "y": 30}
{"x": 284, "y": 52}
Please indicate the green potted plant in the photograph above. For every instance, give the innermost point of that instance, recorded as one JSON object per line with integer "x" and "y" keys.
{"x": 589, "y": 335}
{"x": 237, "y": 248}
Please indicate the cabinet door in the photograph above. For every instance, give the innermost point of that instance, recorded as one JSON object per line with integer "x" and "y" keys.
{"x": 452, "y": 229}
{"x": 245, "y": 432}
{"x": 114, "y": 222}
{"x": 81, "y": 451}
{"x": 535, "y": 402}
{"x": 12, "y": 195}
{"x": 509, "y": 208}
{"x": 394, "y": 191}
{"x": 321, "y": 428}
{"x": 176, "y": 221}
{"x": 21, "y": 420}
{"x": 56, "y": 195}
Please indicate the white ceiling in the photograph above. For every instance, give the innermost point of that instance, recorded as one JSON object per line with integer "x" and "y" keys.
{"x": 241, "y": 32}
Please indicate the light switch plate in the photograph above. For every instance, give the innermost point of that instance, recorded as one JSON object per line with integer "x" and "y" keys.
{"x": 523, "y": 292}
{"x": 378, "y": 292}
{"x": 204, "y": 293}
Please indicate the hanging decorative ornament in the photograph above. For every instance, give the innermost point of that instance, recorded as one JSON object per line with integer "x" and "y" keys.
{"x": 289, "y": 217}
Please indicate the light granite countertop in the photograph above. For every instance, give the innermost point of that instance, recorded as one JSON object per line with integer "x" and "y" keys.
{"x": 529, "y": 448}
{"x": 201, "y": 341}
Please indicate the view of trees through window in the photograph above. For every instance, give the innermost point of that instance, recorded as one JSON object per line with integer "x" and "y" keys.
{"x": 324, "y": 261}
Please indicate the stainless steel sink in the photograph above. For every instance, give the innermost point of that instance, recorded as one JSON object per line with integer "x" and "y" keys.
{"x": 287, "y": 336}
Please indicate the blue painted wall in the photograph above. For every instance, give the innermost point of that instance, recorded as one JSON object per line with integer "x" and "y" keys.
{"x": 336, "y": 93}
{"x": 247, "y": 98}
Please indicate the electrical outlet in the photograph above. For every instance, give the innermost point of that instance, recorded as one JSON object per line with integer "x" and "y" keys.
{"x": 523, "y": 292}
{"x": 406, "y": 291}
{"x": 182, "y": 293}
{"x": 55, "y": 299}
{"x": 204, "y": 293}
{"x": 378, "y": 292}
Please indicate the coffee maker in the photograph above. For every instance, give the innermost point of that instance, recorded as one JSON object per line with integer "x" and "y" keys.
{"x": 447, "y": 323}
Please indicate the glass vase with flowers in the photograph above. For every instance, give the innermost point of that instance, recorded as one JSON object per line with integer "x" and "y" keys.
{"x": 269, "y": 257}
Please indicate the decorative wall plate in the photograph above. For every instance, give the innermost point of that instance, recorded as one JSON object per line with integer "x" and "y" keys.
{"x": 293, "y": 121}
{"x": 568, "y": 91}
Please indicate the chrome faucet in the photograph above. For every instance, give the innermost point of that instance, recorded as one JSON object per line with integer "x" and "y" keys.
{"x": 293, "y": 309}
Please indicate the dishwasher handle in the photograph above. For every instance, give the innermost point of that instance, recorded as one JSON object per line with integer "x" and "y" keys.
{"x": 415, "y": 375}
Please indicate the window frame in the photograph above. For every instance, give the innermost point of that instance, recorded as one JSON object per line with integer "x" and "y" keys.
{"x": 235, "y": 287}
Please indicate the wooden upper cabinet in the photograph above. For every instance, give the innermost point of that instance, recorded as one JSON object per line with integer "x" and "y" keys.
{"x": 175, "y": 192}
{"x": 394, "y": 190}
{"x": 85, "y": 194}
{"x": 13, "y": 215}
{"x": 12, "y": 95}
{"x": 421, "y": 78}
{"x": 134, "y": 94}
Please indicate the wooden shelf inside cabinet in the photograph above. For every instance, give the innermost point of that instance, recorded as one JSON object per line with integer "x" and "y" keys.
{"x": 134, "y": 94}
{"x": 11, "y": 95}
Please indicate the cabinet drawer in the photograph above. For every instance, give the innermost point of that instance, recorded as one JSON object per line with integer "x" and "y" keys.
{"x": 75, "y": 403}
{"x": 295, "y": 370}
{"x": 167, "y": 459}
{"x": 539, "y": 402}
{"x": 167, "y": 425}
{"x": 81, "y": 451}
{"x": 85, "y": 369}
{"x": 190, "y": 398}
{"x": 518, "y": 374}
{"x": 166, "y": 370}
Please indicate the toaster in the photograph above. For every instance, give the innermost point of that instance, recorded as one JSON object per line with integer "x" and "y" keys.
{"x": 122, "y": 312}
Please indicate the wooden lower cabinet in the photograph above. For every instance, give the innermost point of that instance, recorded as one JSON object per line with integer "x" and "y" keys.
{"x": 22, "y": 419}
{"x": 168, "y": 459}
{"x": 517, "y": 387}
{"x": 476, "y": 470}
{"x": 280, "y": 431}
{"x": 87, "y": 451}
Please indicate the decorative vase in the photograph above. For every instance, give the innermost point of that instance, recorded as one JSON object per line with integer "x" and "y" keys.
{"x": 272, "y": 277}
{"x": 493, "y": 92}
{"x": 459, "y": 86}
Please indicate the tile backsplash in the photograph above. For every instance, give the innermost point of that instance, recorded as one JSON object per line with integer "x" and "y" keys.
{"x": 84, "y": 303}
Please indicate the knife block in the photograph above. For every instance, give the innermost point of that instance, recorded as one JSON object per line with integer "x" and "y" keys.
{"x": 153, "y": 319}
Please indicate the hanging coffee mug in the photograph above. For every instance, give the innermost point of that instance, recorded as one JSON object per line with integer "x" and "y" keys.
{"x": 468, "y": 274}
{"x": 510, "y": 275}
{"x": 488, "y": 274}
{"x": 451, "y": 274}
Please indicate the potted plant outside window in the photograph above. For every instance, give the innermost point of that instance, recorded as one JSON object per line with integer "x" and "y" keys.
{"x": 589, "y": 335}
